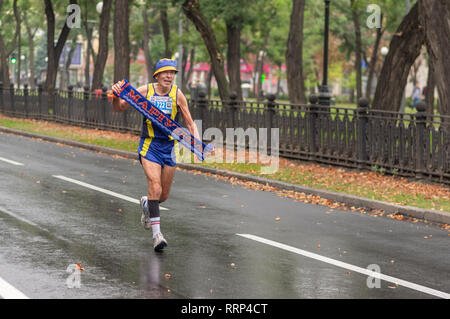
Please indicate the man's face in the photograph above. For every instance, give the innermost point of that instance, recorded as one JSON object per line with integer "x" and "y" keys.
{"x": 165, "y": 78}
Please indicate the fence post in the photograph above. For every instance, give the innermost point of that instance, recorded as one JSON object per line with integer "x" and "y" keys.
{"x": 124, "y": 118}
{"x": 104, "y": 101}
{"x": 361, "y": 111}
{"x": 232, "y": 109}
{"x": 51, "y": 105}
{"x": 313, "y": 99}
{"x": 85, "y": 103}
{"x": 12, "y": 96}
{"x": 271, "y": 114}
{"x": 203, "y": 104}
{"x": 40, "y": 89}
{"x": 421, "y": 125}
{"x": 70, "y": 101}
{"x": 25, "y": 97}
{"x": 1, "y": 97}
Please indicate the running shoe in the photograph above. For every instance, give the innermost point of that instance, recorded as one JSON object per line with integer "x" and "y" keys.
{"x": 145, "y": 218}
{"x": 159, "y": 242}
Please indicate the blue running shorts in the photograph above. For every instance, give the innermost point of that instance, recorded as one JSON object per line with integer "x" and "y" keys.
{"x": 160, "y": 151}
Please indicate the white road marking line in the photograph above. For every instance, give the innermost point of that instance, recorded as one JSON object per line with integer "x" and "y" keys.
{"x": 102, "y": 190}
{"x": 9, "y": 292}
{"x": 29, "y": 222}
{"x": 22, "y": 219}
{"x": 10, "y": 161}
{"x": 338, "y": 263}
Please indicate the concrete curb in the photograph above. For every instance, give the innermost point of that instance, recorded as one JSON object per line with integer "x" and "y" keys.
{"x": 420, "y": 213}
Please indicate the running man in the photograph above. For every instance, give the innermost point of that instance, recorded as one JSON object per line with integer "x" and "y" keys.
{"x": 157, "y": 150}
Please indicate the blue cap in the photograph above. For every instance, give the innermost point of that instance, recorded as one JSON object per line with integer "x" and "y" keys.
{"x": 165, "y": 65}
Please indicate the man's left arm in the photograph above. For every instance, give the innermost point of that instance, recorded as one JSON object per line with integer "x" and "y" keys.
{"x": 184, "y": 109}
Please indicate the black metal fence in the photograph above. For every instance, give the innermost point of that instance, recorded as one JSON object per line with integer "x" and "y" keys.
{"x": 410, "y": 145}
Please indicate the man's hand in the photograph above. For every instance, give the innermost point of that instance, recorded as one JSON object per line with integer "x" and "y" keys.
{"x": 119, "y": 105}
{"x": 116, "y": 88}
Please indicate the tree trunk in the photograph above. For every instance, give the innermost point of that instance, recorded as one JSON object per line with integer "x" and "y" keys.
{"x": 65, "y": 76}
{"x": 4, "y": 62}
{"x": 208, "y": 82}
{"x": 294, "y": 54}
{"x": 192, "y": 11}
{"x": 260, "y": 68}
{"x": 121, "y": 40}
{"x": 403, "y": 50}
{"x": 184, "y": 59}
{"x": 5, "y": 50}
{"x": 87, "y": 65}
{"x": 54, "y": 52}
{"x": 146, "y": 42}
{"x": 187, "y": 75}
{"x": 429, "y": 91}
{"x": 102, "y": 54}
{"x": 19, "y": 60}
{"x": 234, "y": 57}
{"x": 373, "y": 61}
{"x": 255, "y": 76}
{"x": 166, "y": 30}
{"x": 358, "y": 50}
{"x": 435, "y": 18}
{"x": 352, "y": 96}
{"x": 30, "y": 35}
{"x": 4, "y": 68}
{"x": 415, "y": 71}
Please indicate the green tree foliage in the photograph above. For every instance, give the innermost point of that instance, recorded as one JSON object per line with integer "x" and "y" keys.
{"x": 263, "y": 26}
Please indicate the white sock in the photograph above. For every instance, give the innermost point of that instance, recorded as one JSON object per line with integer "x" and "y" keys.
{"x": 155, "y": 225}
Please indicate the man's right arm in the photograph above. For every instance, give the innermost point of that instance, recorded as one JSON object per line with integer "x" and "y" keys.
{"x": 118, "y": 104}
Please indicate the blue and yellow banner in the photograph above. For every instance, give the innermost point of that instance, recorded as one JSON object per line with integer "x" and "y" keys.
{"x": 164, "y": 122}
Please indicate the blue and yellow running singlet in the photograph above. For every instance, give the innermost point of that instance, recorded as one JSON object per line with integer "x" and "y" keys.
{"x": 155, "y": 145}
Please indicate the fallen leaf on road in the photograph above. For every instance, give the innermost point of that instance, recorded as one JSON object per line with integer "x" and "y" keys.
{"x": 167, "y": 276}
{"x": 79, "y": 267}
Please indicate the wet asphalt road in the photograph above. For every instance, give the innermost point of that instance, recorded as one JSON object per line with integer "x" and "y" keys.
{"x": 47, "y": 224}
